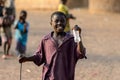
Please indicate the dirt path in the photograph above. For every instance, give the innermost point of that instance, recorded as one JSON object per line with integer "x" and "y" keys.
{"x": 101, "y": 35}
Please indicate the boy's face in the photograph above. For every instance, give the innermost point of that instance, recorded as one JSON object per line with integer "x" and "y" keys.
{"x": 58, "y": 22}
{"x": 22, "y": 16}
{"x": 64, "y": 1}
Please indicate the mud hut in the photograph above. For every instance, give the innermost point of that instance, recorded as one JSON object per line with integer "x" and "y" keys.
{"x": 48, "y": 4}
{"x": 101, "y": 6}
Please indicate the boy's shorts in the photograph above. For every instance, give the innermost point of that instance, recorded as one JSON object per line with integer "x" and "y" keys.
{"x": 8, "y": 33}
{"x": 20, "y": 47}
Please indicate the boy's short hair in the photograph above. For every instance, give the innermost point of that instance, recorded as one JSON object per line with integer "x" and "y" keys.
{"x": 64, "y": 1}
{"x": 24, "y": 12}
{"x": 58, "y": 13}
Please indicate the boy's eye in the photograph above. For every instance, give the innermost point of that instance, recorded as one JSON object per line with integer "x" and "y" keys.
{"x": 56, "y": 21}
{"x": 59, "y": 21}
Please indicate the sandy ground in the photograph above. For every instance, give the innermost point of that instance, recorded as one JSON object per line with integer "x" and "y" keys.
{"x": 101, "y": 36}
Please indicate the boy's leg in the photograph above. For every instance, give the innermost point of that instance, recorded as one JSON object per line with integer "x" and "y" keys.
{"x": 9, "y": 46}
{"x": 19, "y": 49}
{"x": 23, "y": 50}
{"x": 5, "y": 44}
{"x": 4, "y": 55}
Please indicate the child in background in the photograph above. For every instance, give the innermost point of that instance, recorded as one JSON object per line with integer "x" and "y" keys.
{"x": 10, "y": 6}
{"x": 63, "y": 8}
{"x": 1, "y": 7}
{"x": 58, "y": 52}
{"x": 1, "y": 18}
{"x": 21, "y": 33}
{"x": 6, "y": 24}
{"x": 1, "y": 11}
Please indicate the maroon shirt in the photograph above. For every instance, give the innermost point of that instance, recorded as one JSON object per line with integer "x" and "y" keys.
{"x": 59, "y": 62}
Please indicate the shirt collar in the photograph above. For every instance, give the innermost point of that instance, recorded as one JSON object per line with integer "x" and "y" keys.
{"x": 67, "y": 36}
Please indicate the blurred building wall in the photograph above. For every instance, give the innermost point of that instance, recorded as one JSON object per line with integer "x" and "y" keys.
{"x": 36, "y": 4}
{"x": 48, "y": 4}
{"x": 101, "y": 6}
{"x": 77, "y": 3}
{"x": 95, "y": 6}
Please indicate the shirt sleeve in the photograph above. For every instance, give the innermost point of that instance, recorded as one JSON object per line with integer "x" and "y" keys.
{"x": 40, "y": 55}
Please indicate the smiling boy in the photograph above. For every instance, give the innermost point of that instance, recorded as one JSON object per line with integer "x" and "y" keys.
{"x": 57, "y": 51}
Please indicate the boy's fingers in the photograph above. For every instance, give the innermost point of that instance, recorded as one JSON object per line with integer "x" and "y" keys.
{"x": 85, "y": 57}
{"x": 22, "y": 59}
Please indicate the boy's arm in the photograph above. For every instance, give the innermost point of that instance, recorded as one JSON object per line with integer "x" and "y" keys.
{"x": 38, "y": 58}
{"x": 80, "y": 47}
{"x": 70, "y": 16}
{"x": 25, "y": 27}
{"x": 26, "y": 59}
{"x": 15, "y": 25}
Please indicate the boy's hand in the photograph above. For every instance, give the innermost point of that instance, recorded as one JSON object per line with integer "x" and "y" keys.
{"x": 77, "y": 28}
{"x": 82, "y": 48}
{"x": 22, "y": 59}
{"x": 71, "y": 16}
{"x": 84, "y": 53}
